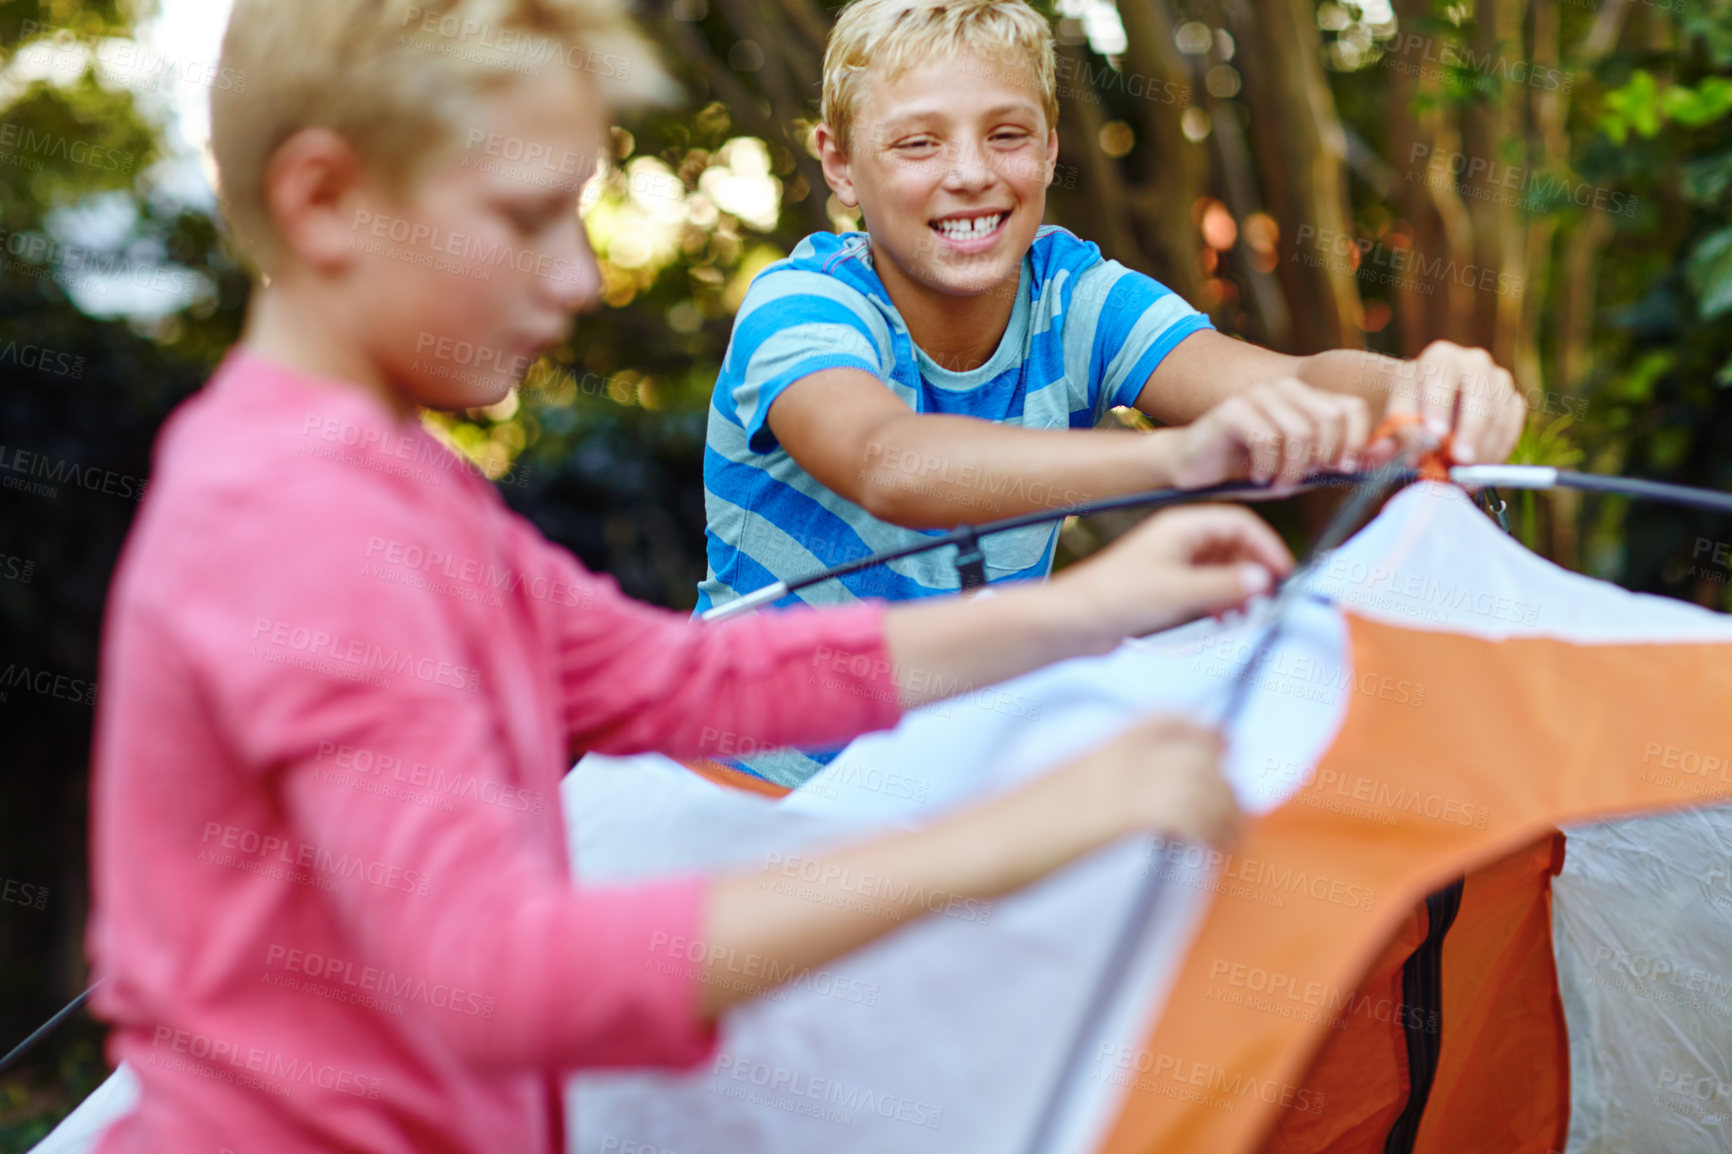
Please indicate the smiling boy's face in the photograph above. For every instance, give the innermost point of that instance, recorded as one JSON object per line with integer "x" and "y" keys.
{"x": 949, "y": 163}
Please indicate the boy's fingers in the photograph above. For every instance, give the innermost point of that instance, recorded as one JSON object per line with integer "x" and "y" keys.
{"x": 1215, "y": 588}
{"x": 1441, "y": 368}
{"x": 1328, "y": 416}
{"x": 1291, "y": 433}
{"x": 1356, "y": 427}
{"x": 1486, "y": 390}
{"x": 1227, "y": 533}
{"x": 1509, "y": 431}
{"x": 1250, "y": 432}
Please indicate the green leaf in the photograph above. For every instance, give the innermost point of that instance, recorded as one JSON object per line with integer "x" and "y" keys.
{"x": 1710, "y": 273}
{"x": 1634, "y": 106}
{"x": 1706, "y": 181}
{"x": 1702, "y": 105}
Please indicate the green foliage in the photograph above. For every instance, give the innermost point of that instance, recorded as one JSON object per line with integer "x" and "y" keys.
{"x": 1643, "y": 106}
{"x": 67, "y": 142}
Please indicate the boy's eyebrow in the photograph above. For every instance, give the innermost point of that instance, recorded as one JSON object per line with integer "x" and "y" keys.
{"x": 905, "y": 120}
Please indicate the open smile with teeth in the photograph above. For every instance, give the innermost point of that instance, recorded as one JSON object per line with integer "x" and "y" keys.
{"x": 970, "y": 229}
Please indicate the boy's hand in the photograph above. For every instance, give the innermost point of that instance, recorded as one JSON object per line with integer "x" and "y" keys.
{"x": 1460, "y": 391}
{"x": 1273, "y": 433}
{"x": 1177, "y": 565}
{"x": 1164, "y": 777}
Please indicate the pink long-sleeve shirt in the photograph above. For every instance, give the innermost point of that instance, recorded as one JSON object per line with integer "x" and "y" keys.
{"x": 341, "y": 683}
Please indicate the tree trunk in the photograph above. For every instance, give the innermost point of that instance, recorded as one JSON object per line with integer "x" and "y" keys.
{"x": 1301, "y": 153}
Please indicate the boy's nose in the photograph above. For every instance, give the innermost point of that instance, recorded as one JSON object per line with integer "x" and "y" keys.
{"x": 969, "y": 168}
{"x": 577, "y": 283}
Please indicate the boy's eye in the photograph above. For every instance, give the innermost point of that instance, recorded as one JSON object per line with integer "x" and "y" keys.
{"x": 1016, "y": 136}
{"x": 528, "y": 219}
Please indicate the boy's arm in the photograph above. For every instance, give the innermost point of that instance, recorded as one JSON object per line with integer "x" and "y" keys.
{"x": 1456, "y": 389}
{"x": 1160, "y": 776}
{"x": 639, "y": 679}
{"x": 930, "y": 471}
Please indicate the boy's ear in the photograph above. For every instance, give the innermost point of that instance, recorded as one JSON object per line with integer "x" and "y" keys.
{"x": 314, "y": 193}
{"x": 835, "y": 163}
{"x": 1051, "y": 155}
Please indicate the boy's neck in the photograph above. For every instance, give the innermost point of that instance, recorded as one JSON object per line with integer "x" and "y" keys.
{"x": 960, "y": 333}
{"x": 294, "y": 328}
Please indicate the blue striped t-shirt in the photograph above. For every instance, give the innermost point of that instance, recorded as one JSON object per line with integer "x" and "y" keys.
{"x": 1084, "y": 335}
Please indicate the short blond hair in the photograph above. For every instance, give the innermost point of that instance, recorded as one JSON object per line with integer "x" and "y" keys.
{"x": 394, "y": 79}
{"x": 891, "y": 36}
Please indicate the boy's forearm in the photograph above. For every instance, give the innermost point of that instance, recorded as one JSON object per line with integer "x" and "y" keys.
{"x": 947, "y": 646}
{"x": 798, "y": 912}
{"x": 928, "y": 471}
{"x": 1354, "y": 372}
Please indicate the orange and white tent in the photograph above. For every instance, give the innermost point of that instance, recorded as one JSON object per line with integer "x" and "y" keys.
{"x": 1402, "y": 954}
{"x": 1388, "y": 961}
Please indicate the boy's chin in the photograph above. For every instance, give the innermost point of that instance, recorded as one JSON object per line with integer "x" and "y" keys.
{"x": 971, "y": 282}
{"x": 480, "y": 392}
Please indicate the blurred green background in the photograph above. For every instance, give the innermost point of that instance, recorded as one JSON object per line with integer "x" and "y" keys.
{"x": 1550, "y": 180}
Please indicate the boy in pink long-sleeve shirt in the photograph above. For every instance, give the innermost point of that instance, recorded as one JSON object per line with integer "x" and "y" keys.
{"x": 331, "y": 895}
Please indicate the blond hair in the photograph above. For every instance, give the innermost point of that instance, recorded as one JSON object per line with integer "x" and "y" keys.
{"x": 395, "y": 80}
{"x": 891, "y": 36}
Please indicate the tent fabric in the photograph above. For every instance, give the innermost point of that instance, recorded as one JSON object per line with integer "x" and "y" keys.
{"x": 1434, "y": 712}
{"x": 1643, "y": 938}
{"x": 1497, "y": 1078}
